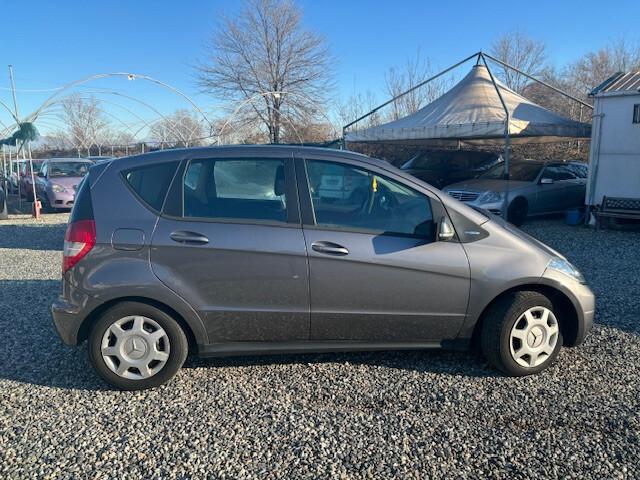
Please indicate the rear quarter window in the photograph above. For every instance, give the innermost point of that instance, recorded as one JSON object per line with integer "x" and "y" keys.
{"x": 151, "y": 182}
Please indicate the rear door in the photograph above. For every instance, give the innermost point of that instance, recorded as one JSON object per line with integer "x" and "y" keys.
{"x": 377, "y": 273}
{"x": 230, "y": 243}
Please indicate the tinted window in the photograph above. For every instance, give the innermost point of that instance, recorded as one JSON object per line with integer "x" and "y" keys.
{"x": 68, "y": 169}
{"x": 558, "y": 173}
{"x": 353, "y": 198}
{"x": 151, "y": 182}
{"x": 236, "y": 189}
{"x": 523, "y": 172}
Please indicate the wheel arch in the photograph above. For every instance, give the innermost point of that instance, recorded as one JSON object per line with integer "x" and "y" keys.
{"x": 568, "y": 314}
{"x": 89, "y": 321}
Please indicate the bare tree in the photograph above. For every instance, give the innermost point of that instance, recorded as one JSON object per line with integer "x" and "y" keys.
{"x": 357, "y": 105}
{"x": 266, "y": 58}
{"x": 595, "y": 67}
{"x": 522, "y": 52}
{"x": 181, "y": 129}
{"x": 85, "y": 122}
{"x": 401, "y": 79}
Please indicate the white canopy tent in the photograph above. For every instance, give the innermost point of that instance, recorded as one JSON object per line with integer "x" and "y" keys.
{"x": 473, "y": 112}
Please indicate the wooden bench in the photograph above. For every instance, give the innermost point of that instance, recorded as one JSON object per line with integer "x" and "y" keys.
{"x": 618, "y": 207}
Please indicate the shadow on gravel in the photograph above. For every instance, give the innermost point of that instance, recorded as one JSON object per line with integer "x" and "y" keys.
{"x": 465, "y": 364}
{"x": 30, "y": 349}
{"x": 33, "y": 236}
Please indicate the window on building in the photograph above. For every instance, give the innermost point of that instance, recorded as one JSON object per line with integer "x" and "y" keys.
{"x": 636, "y": 113}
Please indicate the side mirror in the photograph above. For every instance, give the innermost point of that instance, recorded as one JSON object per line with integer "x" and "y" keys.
{"x": 445, "y": 230}
{"x": 40, "y": 174}
{"x": 546, "y": 181}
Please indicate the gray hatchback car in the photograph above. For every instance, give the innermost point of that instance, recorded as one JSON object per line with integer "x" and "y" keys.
{"x": 236, "y": 250}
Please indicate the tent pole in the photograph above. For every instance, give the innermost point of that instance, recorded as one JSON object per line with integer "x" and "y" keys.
{"x": 507, "y": 141}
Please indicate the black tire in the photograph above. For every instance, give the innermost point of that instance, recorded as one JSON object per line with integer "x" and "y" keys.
{"x": 178, "y": 350}
{"x": 46, "y": 205}
{"x": 518, "y": 211}
{"x": 4, "y": 213}
{"x": 496, "y": 332}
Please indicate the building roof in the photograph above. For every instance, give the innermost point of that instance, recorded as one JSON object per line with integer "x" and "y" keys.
{"x": 619, "y": 83}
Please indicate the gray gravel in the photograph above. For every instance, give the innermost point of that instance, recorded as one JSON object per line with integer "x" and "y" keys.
{"x": 403, "y": 415}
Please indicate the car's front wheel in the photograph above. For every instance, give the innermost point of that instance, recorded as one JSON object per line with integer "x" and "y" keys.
{"x": 521, "y": 333}
{"x": 134, "y": 346}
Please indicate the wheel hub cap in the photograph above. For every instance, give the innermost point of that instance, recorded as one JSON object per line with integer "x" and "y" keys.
{"x": 534, "y": 337}
{"x": 135, "y": 347}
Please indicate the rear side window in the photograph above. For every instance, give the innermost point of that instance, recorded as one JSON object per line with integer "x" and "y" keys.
{"x": 151, "y": 182}
{"x": 82, "y": 207}
{"x": 244, "y": 189}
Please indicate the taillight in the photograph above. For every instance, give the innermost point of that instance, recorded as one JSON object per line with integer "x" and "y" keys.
{"x": 78, "y": 240}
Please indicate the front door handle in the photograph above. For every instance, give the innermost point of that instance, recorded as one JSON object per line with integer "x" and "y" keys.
{"x": 329, "y": 248}
{"x": 189, "y": 238}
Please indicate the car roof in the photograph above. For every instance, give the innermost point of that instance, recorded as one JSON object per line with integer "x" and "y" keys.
{"x": 252, "y": 151}
{"x": 72, "y": 159}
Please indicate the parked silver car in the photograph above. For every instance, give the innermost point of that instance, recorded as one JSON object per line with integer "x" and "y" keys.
{"x": 535, "y": 188}
{"x": 236, "y": 250}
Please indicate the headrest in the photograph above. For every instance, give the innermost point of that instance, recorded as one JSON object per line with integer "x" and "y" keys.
{"x": 279, "y": 184}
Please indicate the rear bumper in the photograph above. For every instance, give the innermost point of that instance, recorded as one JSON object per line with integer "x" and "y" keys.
{"x": 69, "y": 312}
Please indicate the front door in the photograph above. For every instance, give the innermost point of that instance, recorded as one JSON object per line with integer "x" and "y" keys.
{"x": 237, "y": 252}
{"x": 377, "y": 273}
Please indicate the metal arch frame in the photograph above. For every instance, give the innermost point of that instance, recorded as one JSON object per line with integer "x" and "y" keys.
{"x": 129, "y": 75}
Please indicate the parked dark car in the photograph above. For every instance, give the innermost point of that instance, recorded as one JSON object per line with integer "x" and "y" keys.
{"x": 441, "y": 168}
{"x": 238, "y": 250}
{"x": 4, "y": 213}
{"x": 26, "y": 187}
{"x": 535, "y": 188}
{"x": 58, "y": 180}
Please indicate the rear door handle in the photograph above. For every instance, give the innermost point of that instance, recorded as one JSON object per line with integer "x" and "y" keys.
{"x": 329, "y": 248}
{"x": 189, "y": 238}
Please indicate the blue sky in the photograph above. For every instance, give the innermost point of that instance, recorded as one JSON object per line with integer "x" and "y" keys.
{"x": 54, "y": 42}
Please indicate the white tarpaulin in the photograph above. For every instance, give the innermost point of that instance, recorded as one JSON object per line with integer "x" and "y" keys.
{"x": 471, "y": 112}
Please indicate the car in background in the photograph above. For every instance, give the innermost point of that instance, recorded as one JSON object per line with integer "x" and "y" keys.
{"x": 4, "y": 214}
{"x": 441, "y": 168}
{"x": 535, "y": 188}
{"x": 164, "y": 255}
{"x": 24, "y": 172}
{"x": 58, "y": 180}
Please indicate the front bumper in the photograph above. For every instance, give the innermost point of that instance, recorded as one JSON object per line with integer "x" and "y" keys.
{"x": 61, "y": 199}
{"x": 582, "y": 298}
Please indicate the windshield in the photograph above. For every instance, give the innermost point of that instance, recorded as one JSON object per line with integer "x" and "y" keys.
{"x": 68, "y": 169}
{"x": 523, "y": 172}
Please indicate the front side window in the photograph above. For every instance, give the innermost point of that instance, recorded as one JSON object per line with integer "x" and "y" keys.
{"x": 245, "y": 189}
{"x": 352, "y": 198}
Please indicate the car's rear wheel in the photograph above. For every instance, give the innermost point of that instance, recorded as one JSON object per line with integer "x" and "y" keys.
{"x": 134, "y": 346}
{"x": 518, "y": 211}
{"x": 521, "y": 333}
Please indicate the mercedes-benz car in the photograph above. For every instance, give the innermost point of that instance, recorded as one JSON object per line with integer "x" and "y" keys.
{"x": 534, "y": 188}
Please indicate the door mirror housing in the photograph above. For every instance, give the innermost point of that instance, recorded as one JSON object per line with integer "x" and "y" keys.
{"x": 445, "y": 230}
{"x": 546, "y": 181}
{"x": 40, "y": 174}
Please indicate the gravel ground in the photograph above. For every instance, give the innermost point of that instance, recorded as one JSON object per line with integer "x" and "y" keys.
{"x": 378, "y": 415}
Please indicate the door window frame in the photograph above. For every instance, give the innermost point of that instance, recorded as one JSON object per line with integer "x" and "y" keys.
{"x": 306, "y": 203}
{"x": 173, "y": 207}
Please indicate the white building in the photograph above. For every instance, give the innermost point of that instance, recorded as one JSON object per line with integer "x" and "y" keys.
{"x": 614, "y": 159}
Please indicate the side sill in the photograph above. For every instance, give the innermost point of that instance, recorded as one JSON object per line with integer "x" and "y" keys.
{"x": 270, "y": 348}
